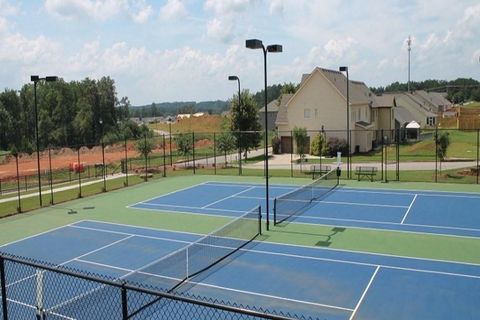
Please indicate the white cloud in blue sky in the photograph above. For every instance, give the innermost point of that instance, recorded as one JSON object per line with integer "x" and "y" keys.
{"x": 185, "y": 49}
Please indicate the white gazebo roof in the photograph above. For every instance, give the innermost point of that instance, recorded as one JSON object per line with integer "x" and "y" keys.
{"x": 413, "y": 125}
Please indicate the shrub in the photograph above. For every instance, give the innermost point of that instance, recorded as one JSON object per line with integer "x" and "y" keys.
{"x": 335, "y": 145}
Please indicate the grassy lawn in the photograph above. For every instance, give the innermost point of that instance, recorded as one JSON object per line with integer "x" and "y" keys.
{"x": 473, "y": 105}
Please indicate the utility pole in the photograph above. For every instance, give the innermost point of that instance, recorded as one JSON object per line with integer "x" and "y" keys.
{"x": 409, "y": 44}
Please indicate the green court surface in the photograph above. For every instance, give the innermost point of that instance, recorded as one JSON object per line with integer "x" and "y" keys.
{"x": 112, "y": 207}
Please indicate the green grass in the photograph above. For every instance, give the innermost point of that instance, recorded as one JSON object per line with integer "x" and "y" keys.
{"x": 112, "y": 207}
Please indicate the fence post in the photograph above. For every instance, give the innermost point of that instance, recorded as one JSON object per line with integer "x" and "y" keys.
{"x": 124, "y": 302}
{"x": 126, "y": 162}
{"x": 259, "y": 220}
{"x": 436, "y": 153}
{"x": 51, "y": 175}
{"x": 104, "y": 169}
{"x": 214, "y": 154}
{"x": 164, "y": 164}
{"x": 478, "y": 146}
{"x": 193, "y": 149}
{"x": 4, "y": 288}
{"x": 79, "y": 172}
{"x": 291, "y": 154}
{"x": 145, "y": 178}
{"x": 383, "y": 150}
{"x": 397, "y": 134}
{"x": 19, "y": 207}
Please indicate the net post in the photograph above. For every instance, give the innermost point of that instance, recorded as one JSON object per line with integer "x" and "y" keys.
{"x": 124, "y": 302}
{"x": 4, "y": 288}
{"x": 260, "y": 220}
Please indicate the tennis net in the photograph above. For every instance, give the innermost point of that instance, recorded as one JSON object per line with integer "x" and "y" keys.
{"x": 299, "y": 200}
{"x": 170, "y": 272}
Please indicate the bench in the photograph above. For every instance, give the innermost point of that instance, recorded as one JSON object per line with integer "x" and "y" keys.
{"x": 364, "y": 171}
{"x": 317, "y": 170}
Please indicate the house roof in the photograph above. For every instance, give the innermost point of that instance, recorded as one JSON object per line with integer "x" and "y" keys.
{"x": 402, "y": 115}
{"x": 384, "y": 100}
{"x": 363, "y": 124}
{"x": 440, "y": 98}
{"x": 282, "y": 108}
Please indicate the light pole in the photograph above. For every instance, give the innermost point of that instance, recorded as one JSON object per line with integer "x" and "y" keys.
{"x": 233, "y": 78}
{"x": 35, "y": 79}
{"x": 258, "y": 44}
{"x": 349, "y": 160}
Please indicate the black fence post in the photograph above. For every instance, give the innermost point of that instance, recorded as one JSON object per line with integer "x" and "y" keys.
{"x": 146, "y": 156}
{"x": 126, "y": 162}
{"x": 164, "y": 164}
{"x": 51, "y": 175}
{"x": 214, "y": 154}
{"x": 124, "y": 302}
{"x": 19, "y": 206}
{"x": 436, "y": 154}
{"x": 79, "y": 172}
{"x": 383, "y": 152}
{"x": 478, "y": 153}
{"x": 291, "y": 154}
{"x": 259, "y": 220}
{"x": 104, "y": 168}
{"x": 397, "y": 133}
{"x": 3, "y": 288}
{"x": 193, "y": 150}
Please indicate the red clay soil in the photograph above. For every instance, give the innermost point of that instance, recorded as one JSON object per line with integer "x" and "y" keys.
{"x": 62, "y": 158}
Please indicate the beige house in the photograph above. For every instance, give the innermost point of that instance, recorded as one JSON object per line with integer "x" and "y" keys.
{"x": 320, "y": 103}
{"x": 420, "y": 110}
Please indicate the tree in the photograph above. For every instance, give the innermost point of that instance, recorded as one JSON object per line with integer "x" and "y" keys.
{"x": 184, "y": 144}
{"x": 226, "y": 143}
{"x": 301, "y": 138}
{"x": 442, "y": 142}
{"x": 318, "y": 145}
{"x": 244, "y": 122}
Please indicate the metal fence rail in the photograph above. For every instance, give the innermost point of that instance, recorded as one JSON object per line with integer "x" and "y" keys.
{"x": 36, "y": 290}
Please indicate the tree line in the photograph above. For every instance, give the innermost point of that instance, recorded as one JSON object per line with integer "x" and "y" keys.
{"x": 69, "y": 114}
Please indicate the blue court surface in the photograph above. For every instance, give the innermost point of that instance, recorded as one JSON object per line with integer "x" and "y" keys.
{"x": 446, "y": 213}
{"x": 312, "y": 282}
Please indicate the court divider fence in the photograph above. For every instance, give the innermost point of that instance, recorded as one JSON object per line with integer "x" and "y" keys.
{"x": 38, "y": 290}
{"x": 421, "y": 155}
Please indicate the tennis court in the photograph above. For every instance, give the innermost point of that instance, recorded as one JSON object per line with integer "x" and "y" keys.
{"x": 303, "y": 281}
{"x": 447, "y": 213}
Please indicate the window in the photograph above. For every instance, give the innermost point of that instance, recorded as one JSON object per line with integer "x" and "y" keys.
{"x": 306, "y": 113}
{"x": 431, "y": 121}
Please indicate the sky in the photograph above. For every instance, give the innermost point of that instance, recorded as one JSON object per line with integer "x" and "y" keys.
{"x": 184, "y": 50}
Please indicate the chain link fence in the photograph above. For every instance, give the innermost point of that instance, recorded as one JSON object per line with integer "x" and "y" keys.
{"x": 35, "y": 290}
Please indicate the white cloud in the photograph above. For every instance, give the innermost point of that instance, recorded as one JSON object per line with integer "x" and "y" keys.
{"x": 20, "y": 49}
{"x": 7, "y": 9}
{"x": 276, "y": 7}
{"x": 222, "y": 30}
{"x": 81, "y": 9}
{"x": 225, "y": 7}
{"x": 141, "y": 12}
{"x": 338, "y": 48}
{"x": 173, "y": 9}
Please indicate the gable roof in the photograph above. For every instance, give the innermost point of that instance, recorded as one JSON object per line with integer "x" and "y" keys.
{"x": 359, "y": 93}
{"x": 280, "y": 108}
{"x": 384, "y": 100}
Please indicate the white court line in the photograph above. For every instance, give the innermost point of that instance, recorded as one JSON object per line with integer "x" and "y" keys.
{"x": 231, "y": 196}
{"x": 187, "y": 207}
{"x": 297, "y": 245}
{"x": 433, "y": 193}
{"x": 408, "y": 210}
{"x": 364, "y": 293}
{"x": 202, "y": 284}
{"x": 166, "y": 194}
{"x": 338, "y": 260}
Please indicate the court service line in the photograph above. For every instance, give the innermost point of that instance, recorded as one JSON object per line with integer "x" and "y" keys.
{"x": 291, "y": 245}
{"x": 408, "y": 210}
{"x": 168, "y": 193}
{"x": 223, "y": 199}
{"x": 187, "y": 207}
{"x": 411, "y": 192}
{"x": 343, "y": 261}
{"x": 364, "y": 294}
